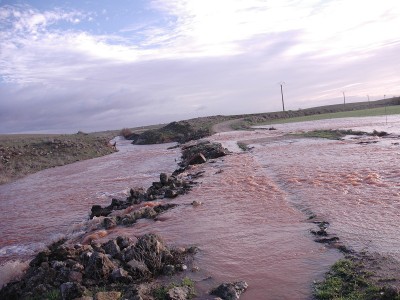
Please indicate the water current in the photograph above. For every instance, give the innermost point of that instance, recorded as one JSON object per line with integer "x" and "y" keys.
{"x": 251, "y": 224}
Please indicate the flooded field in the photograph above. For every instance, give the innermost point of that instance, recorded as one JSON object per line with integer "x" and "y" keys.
{"x": 252, "y": 223}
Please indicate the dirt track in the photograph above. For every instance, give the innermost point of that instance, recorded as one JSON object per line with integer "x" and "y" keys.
{"x": 225, "y": 126}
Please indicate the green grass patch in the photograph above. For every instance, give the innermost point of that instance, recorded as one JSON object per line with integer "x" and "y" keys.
{"x": 379, "y": 111}
{"x": 332, "y": 134}
{"x": 347, "y": 281}
{"x": 242, "y": 146}
{"x": 160, "y": 292}
{"x": 350, "y": 279}
{"x": 338, "y": 133}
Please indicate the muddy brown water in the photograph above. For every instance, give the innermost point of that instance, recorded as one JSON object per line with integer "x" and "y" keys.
{"x": 46, "y": 205}
{"x": 252, "y": 223}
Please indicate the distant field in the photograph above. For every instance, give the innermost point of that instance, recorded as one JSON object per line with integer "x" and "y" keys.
{"x": 23, "y": 154}
{"x": 379, "y": 111}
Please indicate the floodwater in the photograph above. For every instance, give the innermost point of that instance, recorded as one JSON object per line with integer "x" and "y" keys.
{"x": 44, "y": 206}
{"x": 251, "y": 225}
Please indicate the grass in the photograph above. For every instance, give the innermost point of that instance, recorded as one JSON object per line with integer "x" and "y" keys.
{"x": 346, "y": 281}
{"x": 338, "y": 134}
{"x": 160, "y": 293}
{"x": 332, "y": 134}
{"x": 379, "y": 111}
{"x": 242, "y": 146}
{"x": 349, "y": 279}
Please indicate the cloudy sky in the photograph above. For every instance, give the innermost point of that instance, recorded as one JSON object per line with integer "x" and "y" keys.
{"x": 95, "y": 65}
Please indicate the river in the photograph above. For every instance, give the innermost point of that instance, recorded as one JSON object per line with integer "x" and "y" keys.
{"x": 252, "y": 224}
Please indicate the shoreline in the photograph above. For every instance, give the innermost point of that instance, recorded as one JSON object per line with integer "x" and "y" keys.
{"x": 363, "y": 275}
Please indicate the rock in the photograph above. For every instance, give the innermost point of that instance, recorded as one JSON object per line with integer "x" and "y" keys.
{"x": 181, "y": 267}
{"x": 85, "y": 257}
{"x": 321, "y": 232}
{"x": 107, "y": 295}
{"x": 57, "y": 264}
{"x": 139, "y": 292}
{"x": 151, "y": 250}
{"x": 98, "y": 211}
{"x": 138, "y": 269}
{"x": 148, "y": 213}
{"x": 71, "y": 290}
{"x": 191, "y": 153}
{"x": 196, "y": 203}
{"x": 109, "y": 223}
{"x": 137, "y": 195}
{"x": 327, "y": 240}
{"x": 169, "y": 270}
{"x": 120, "y": 275}
{"x": 111, "y": 247}
{"x": 123, "y": 242}
{"x": 170, "y": 193}
{"x": 115, "y": 203}
{"x": 164, "y": 178}
{"x": 99, "y": 266}
{"x": 197, "y": 159}
{"x": 178, "y": 293}
{"x": 157, "y": 185}
{"x": 75, "y": 276}
{"x": 42, "y": 256}
{"x": 150, "y": 243}
{"x": 230, "y": 291}
{"x": 192, "y": 250}
{"x": 164, "y": 207}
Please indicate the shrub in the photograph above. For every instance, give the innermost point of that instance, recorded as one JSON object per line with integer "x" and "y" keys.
{"x": 126, "y": 132}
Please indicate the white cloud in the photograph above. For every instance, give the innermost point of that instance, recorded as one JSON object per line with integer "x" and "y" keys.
{"x": 328, "y": 27}
{"x": 203, "y": 58}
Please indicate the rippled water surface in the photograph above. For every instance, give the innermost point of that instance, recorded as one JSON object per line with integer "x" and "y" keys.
{"x": 251, "y": 224}
{"x": 43, "y": 206}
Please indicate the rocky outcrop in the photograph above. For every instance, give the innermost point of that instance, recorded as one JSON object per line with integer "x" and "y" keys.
{"x": 201, "y": 152}
{"x": 169, "y": 186}
{"x": 73, "y": 271}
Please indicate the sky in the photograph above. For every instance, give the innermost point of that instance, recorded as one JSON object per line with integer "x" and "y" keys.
{"x": 83, "y": 65}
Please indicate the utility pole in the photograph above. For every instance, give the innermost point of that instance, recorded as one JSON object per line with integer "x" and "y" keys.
{"x": 384, "y": 98}
{"x": 283, "y": 103}
{"x": 344, "y": 99}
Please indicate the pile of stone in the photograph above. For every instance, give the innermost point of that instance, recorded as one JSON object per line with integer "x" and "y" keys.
{"x": 130, "y": 218}
{"x": 200, "y": 152}
{"x": 118, "y": 266}
{"x": 167, "y": 187}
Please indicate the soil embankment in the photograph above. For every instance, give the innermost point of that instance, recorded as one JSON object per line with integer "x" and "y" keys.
{"x": 21, "y": 155}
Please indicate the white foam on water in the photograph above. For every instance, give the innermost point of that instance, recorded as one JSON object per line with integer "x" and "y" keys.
{"x": 21, "y": 250}
{"x": 12, "y": 270}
